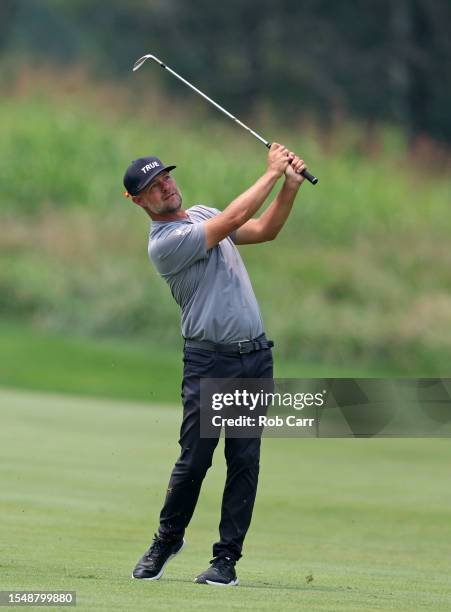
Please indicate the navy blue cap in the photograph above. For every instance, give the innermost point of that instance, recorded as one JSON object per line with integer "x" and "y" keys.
{"x": 141, "y": 171}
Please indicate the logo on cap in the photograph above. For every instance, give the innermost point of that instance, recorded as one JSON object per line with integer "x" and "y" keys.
{"x": 148, "y": 167}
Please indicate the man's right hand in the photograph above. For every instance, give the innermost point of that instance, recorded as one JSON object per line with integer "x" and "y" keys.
{"x": 278, "y": 159}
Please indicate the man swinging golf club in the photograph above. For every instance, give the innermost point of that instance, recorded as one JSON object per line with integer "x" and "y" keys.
{"x": 194, "y": 250}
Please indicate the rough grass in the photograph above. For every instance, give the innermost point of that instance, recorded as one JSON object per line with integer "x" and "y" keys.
{"x": 359, "y": 273}
{"x": 347, "y": 525}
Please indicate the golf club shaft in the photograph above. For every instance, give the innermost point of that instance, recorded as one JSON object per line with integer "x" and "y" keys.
{"x": 267, "y": 144}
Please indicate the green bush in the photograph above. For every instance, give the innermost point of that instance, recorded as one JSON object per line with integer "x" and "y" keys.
{"x": 359, "y": 273}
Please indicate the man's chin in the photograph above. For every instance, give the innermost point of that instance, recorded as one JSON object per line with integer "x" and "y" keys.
{"x": 170, "y": 208}
{"x": 174, "y": 206}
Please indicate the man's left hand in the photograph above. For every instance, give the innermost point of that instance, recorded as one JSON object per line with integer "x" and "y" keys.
{"x": 294, "y": 169}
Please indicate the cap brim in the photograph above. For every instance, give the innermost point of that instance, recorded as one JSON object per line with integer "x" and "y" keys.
{"x": 150, "y": 179}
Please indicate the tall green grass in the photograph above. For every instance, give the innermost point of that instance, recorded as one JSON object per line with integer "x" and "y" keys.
{"x": 359, "y": 273}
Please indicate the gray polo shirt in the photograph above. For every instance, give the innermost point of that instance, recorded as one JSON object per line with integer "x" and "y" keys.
{"x": 211, "y": 287}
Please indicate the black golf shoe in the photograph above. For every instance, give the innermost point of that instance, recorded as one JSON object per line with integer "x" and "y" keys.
{"x": 221, "y": 573}
{"x": 152, "y": 563}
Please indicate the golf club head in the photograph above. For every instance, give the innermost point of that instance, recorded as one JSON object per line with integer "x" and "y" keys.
{"x": 139, "y": 62}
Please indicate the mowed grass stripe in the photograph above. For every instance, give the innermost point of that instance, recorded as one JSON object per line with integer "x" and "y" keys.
{"x": 338, "y": 524}
{"x": 122, "y": 368}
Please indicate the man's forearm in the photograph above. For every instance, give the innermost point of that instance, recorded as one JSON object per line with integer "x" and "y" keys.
{"x": 246, "y": 204}
{"x": 274, "y": 217}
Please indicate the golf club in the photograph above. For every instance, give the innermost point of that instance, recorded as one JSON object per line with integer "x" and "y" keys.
{"x": 141, "y": 61}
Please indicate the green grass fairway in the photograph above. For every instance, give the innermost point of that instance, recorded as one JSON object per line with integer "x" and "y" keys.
{"x": 338, "y": 524}
{"x": 126, "y": 369}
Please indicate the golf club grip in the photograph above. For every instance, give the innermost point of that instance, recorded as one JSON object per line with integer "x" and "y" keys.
{"x": 305, "y": 173}
{"x": 312, "y": 179}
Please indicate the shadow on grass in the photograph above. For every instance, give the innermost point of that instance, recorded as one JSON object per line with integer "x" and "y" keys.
{"x": 264, "y": 585}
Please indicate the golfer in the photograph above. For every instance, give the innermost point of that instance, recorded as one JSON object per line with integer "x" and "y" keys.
{"x": 194, "y": 250}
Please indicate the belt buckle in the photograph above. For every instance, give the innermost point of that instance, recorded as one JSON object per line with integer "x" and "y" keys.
{"x": 241, "y": 349}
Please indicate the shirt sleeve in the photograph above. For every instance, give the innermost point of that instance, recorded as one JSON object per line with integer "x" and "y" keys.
{"x": 213, "y": 212}
{"x": 179, "y": 248}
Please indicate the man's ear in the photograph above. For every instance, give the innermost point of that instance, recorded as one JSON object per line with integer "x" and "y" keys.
{"x": 137, "y": 200}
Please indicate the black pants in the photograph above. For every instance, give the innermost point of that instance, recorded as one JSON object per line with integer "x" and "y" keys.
{"x": 242, "y": 454}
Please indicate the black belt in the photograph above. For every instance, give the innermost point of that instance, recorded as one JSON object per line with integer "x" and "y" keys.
{"x": 243, "y": 346}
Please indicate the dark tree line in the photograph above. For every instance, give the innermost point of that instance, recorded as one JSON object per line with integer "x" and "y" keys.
{"x": 373, "y": 59}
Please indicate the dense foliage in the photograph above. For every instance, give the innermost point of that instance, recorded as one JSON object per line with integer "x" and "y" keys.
{"x": 359, "y": 274}
{"x": 384, "y": 59}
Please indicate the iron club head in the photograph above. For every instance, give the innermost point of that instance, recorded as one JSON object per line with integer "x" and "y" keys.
{"x": 139, "y": 62}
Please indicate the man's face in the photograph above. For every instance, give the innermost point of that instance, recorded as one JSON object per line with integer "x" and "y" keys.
{"x": 161, "y": 196}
